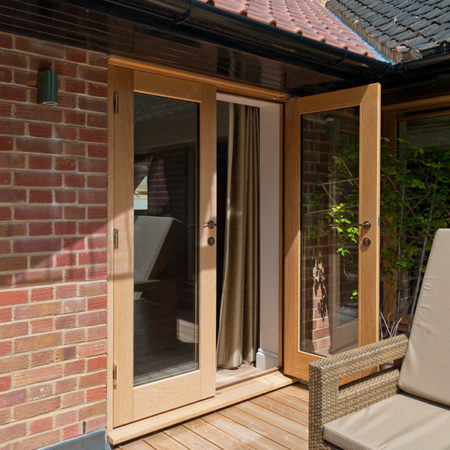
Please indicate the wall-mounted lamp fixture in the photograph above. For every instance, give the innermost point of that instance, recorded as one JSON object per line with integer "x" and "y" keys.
{"x": 48, "y": 87}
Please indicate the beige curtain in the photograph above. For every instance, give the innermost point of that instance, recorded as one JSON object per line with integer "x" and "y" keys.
{"x": 237, "y": 339}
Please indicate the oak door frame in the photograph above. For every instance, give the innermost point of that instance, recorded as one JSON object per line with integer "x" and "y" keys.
{"x": 296, "y": 363}
{"x": 133, "y": 403}
{"x": 223, "y": 86}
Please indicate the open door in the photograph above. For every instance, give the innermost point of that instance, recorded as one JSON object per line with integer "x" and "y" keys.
{"x": 331, "y": 234}
{"x": 162, "y": 227}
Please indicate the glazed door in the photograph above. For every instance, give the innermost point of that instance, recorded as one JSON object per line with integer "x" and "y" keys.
{"x": 331, "y": 236}
{"x": 163, "y": 232}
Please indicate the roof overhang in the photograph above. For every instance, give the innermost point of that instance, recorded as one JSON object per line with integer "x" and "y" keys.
{"x": 196, "y": 36}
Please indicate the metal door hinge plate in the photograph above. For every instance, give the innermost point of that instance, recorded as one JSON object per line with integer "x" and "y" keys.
{"x": 116, "y": 102}
{"x": 115, "y": 376}
{"x": 116, "y": 238}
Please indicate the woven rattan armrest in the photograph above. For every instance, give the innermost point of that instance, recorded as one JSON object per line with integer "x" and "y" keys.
{"x": 328, "y": 402}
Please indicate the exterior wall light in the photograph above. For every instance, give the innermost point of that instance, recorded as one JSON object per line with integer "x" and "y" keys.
{"x": 47, "y": 87}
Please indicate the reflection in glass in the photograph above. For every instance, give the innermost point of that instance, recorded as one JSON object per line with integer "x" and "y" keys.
{"x": 426, "y": 132}
{"x": 329, "y": 218}
{"x": 423, "y": 158}
{"x": 165, "y": 238}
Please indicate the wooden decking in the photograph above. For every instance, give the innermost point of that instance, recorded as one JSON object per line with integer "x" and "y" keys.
{"x": 276, "y": 420}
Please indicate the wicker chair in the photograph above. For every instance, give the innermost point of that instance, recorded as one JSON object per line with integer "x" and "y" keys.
{"x": 406, "y": 408}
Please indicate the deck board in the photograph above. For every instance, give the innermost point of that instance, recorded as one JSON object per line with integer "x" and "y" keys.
{"x": 190, "y": 439}
{"x": 264, "y": 428}
{"x": 276, "y": 420}
{"x": 282, "y": 410}
{"x": 215, "y": 435}
{"x": 293, "y": 402}
{"x": 284, "y": 423}
{"x": 161, "y": 441}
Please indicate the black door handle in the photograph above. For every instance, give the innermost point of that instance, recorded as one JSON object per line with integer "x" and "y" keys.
{"x": 366, "y": 225}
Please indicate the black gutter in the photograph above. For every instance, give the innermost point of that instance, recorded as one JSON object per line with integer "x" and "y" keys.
{"x": 205, "y": 22}
{"x": 432, "y": 67}
{"x": 440, "y": 56}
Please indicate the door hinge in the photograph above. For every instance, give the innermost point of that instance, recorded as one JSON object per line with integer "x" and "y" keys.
{"x": 115, "y": 376}
{"x": 116, "y": 238}
{"x": 116, "y": 102}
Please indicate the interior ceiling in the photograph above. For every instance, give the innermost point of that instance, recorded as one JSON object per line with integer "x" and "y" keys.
{"x": 75, "y": 25}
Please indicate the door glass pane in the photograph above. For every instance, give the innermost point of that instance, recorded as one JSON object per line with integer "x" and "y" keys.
{"x": 329, "y": 218}
{"x": 432, "y": 136}
{"x": 165, "y": 237}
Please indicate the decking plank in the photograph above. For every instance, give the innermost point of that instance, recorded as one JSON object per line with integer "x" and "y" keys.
{"x": 264, "y": 428}
{"x": 297, "y": 391}
{"x": 273, "y": 418}
{"x": 189, "y": 439}
{"x": 136, "y": 445}
{"x": 213, "y": 434}
{"x": 282, "y": 410}
{"x": 288, "y": 400}
{"x": 241, "y": 432}
{"x": 161, "y": 441}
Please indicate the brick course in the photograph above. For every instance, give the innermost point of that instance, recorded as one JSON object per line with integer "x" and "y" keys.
{"x": 52, "y": 245}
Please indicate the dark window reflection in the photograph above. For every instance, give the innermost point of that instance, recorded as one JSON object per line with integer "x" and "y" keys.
{"x": 165, "y": 239}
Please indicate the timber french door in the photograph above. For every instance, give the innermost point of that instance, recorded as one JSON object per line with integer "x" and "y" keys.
{"x": 162, "y": 193}
{"x": 331, "y": 234}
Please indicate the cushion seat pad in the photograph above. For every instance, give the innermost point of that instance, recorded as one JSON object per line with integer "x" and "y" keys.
{"x": 398, "y": 422}
{"x": 425, "y": 370}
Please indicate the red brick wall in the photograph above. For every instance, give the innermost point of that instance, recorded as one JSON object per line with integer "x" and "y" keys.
{"x": 52, "y": 245}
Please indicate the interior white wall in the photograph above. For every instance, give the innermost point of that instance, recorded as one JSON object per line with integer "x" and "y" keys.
{"x": 267, "y": 355}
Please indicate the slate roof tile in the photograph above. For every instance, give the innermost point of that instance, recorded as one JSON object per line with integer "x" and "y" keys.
{"x": 425, "y": 9}
{"x": 443, "y": 35}
{"x": 309, "y": 18}
{"x": 422, "y": 26}
{"x": 417, "y": 41}
{"x": 445, "y": 17}
{"x": 426, "y": 46}
{"x": 433, "y": 13}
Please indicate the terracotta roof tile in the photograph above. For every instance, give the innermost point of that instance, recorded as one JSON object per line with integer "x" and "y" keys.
{"x": 308, "y": 18}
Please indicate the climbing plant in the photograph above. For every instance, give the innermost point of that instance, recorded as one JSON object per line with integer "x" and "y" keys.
{"x": 415, "y": 202}
{"x": 415, "y": 194}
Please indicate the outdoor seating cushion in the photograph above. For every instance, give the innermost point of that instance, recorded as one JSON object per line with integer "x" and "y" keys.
{"x": 425, "y": 371}
{"x": 398, "y": 422}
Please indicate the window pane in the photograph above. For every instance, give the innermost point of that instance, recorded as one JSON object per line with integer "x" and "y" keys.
{"x": 329, "y": 218}
{"x": 165, "y": 237}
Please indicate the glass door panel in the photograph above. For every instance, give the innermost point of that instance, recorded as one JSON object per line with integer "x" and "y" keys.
{"x": 165, "y": 237}
{"x": 329, "y": 220}
{"x": 163, "y": 269}
{"x": 331, "y": 261}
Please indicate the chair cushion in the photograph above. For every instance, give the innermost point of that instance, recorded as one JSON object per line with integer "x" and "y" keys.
{"x": 398, "y": 422}
{"x": 425, "y": 370}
